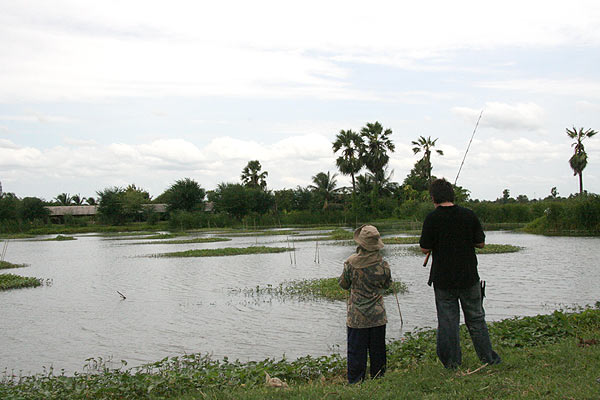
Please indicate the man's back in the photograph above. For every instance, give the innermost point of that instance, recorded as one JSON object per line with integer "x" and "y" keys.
{"x": 452, "y": 232}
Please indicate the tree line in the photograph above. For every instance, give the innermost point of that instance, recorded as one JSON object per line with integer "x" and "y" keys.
{"x": 363, "y": 156}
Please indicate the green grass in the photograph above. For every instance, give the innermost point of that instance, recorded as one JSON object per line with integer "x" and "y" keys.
{"x": 227, "y": 251}
{"x": 58, "y": 238}
{"x": 188, "y": 241}
{"x": 401, "y": 240}
{"x": 488, "y": 249}
{"x": 541, "y": 360}
{"x": 8, "y": 265}
{"x": 11, "y": 281}
{"x": 308, "y": 289}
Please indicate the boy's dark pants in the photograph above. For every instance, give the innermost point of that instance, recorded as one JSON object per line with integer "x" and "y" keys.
{"x": 360, "y": 342}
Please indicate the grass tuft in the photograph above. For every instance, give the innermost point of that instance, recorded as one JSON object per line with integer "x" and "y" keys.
{"x": 11, "y": 281}
{"x": 227, "y": 251}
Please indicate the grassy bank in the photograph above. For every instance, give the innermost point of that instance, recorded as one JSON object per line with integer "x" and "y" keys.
{"x": 227, "y": 251}
{"x": 542, "y": 358}
{"x": 11, "y": 281}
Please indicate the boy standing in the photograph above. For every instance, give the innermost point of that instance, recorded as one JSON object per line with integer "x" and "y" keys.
{"x": 367, "y": 276}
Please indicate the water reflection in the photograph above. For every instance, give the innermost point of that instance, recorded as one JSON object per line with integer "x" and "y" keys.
{"x": 186, "y": 305}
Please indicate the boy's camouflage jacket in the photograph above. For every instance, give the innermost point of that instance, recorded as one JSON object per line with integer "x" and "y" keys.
{"x": 367, "y": 276}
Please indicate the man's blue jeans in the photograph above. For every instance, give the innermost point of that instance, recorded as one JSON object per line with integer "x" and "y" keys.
{"x": 448, "y": 313}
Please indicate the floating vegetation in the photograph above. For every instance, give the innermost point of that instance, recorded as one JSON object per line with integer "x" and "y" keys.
{"x": 324, "y": 288}
{"x": 158, "y": 236}
{"x": 11, "y": 281}
{"x": 488, "y": 249}
{"x": 338, "y": 234}
{"x": 261, "y": 233}
{"x": 401, "y": 240}
{"x": 7, "y": 265}
{"x": 188, "y": 241}
{"x": 227, "y": 251}
{"x": 58, "y": 238}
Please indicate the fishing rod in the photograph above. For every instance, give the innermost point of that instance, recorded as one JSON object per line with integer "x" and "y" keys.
{"x": 459, "y": 169}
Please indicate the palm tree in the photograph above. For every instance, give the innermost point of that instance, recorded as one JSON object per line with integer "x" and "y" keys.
{"x": 77, "y": 200}
{"x": 90, "y": 201}
{"x": 63, "y": 199}
{"x": 578, "y": 160}
{"x": 325, "y": 186}
{"x": 349, "y": 162}
{"x": 252, "y": 177}
{"x": 426, "y": 145}
{"x": 375, "y": 150}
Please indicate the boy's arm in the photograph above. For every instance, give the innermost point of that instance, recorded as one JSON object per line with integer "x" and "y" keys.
{"x": 345, "y": 280}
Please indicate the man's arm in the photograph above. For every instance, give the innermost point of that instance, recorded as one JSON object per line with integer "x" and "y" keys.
{"x": 425, "y": 251}
{"x": 478, "y": 245}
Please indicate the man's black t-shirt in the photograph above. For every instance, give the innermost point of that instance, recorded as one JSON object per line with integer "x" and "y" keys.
{"x": 451, "y": 232}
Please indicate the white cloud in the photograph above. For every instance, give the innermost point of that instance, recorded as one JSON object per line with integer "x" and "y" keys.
{"x": 506, "y": 117}
{"x": 567, "y": 87}
{"x": 72, "y": 50}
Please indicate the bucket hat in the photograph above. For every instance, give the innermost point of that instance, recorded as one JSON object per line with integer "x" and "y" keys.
{"x": 367, "y": 237}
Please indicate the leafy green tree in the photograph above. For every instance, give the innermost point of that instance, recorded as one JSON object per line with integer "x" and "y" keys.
{"x": 91, "y": 201}
{"x": 185, "y": 194}
{"x": 578, "y": 160}
{"x": 133, "y": 199}
{"x": 111, "y": 205}
{"x": 33, "y": 209}
{"x": 418, "y": 178}
{"x": 426, "y": 145}
{"x": 9, "y": 207}
{"x": 233, "y": 198}
{"x": 252, "y": 175}
{"x": 63, "y": 199}
{"x": 325, "y": 186}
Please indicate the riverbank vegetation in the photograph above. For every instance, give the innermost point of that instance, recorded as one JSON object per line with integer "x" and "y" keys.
{"x": 226, "y": 251}
{"x": 546, "y": 356}
{"x": 11, "y": 281}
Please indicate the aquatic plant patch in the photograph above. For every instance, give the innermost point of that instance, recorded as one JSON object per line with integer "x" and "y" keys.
{"x": 59, "y": 238}
{"x": 308, "y": 289}
{"x": 227, "y": 251}
{"x": 11, "y": 281}
{"x": 8, "y": 265}
{"x": 187, "y": 241}
{"x": 401, "y": 240}
{"x": 488, "y": 249}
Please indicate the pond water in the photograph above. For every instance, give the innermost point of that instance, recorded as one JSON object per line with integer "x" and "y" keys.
{"x": 178, "y": 306}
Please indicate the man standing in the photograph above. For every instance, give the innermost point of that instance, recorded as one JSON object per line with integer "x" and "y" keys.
{"x": 451, "y": 233}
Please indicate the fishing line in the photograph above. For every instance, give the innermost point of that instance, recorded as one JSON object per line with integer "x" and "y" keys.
{"x": 459, "y": 169}
{"x": 468, "y": 147}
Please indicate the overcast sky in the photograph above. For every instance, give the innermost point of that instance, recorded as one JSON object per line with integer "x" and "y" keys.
{"x": 95, "y": 94}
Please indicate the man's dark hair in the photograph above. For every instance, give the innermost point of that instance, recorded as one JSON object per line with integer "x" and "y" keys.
{"x": 441, "y": 191}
